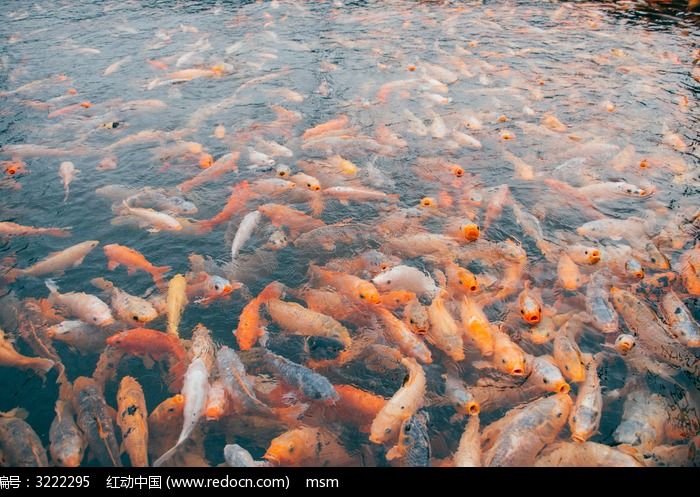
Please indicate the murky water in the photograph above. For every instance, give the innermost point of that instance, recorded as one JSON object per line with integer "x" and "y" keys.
{"x": 620, "y": 81}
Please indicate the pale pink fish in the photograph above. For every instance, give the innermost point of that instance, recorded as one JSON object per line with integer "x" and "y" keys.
{"x": 67, "y": 172}
{"x": 85, "y": 307}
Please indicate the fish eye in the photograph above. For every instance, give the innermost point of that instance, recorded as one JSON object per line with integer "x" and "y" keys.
{"x": 216, "y": 287}
{"x": 291, "y": 449}
{"x": 388, "y": 282}
{"x": 412, "y": 321}
{"x": 135, "y": 317}
{"x": 574, "y": 419}
{"x": 362, "y": 295}
{"x": 545, "y": 381}
{"x": 94, "y": 319}
{"x": 559, "y": 414}
{"x": 566, "y": 367}
{"x": 503, "y": 361}
{"x": 308, "y": 184}
{"x": 522, "y": 311}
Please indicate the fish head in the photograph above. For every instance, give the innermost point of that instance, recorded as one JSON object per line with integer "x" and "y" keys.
{"x": 277, "y": 241}
{"x": 471, "y": 407}
{"x": 398, "y": 297}
{"x": 173, "y": 224}
{"x": 101, "y": 316}
{"x": 143, "y": 313}
{"x": 592, "y": 255}
{"x": 634, "y": 268}
{"x": 515, "y": 366}
{"x": 574, "y": 369}
{"x": 367, "y": 292}
{"x": 467, "y": 280}
{"x": 549, "y": 375}
{"x": 453, "y": 346}
{"x": 542, "y": 332}
{"x": 383, "y": 281}
{"x": 68, "y": 458}
{"x": 376, "y": 261}
{"x": 205, "y": 160}
{"x": 510, "y": 360}
{"x": 428, "y": 203}
{"x": 530, "y": 310}
{"x": 283, "y": 171}
{"x": 457, "y": 170}
{"x": 470, "y": 231}
{"x": 283, "y": 450}
{"x": 624, "y": 343}
{"x": 417, "y": 318}
{"x": 219, "y": 286}
{"x": 513, "y": 251}
{"x": 116, "y": 340}
{"x": 183, "y": 206}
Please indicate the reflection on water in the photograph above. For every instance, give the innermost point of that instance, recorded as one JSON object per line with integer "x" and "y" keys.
{"x": 525, "y": 119}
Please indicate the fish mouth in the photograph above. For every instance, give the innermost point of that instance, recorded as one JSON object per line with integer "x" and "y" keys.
{"x": 471, "y": 232}
{"x": 271, "y": 458}
{"x": 517, "y": 371}
{"x": 578, "y": 438}
{"x": 564, "y": 388}
{"x": 316, "y": 188}
{"x": 473, "y": 408}
{"x": 694, "y": 344}
{"x": 533, "y": 319}
{"x": 624, "y": 348}
{"x": 421, "y": 331}
{"x": 72, "y": 461}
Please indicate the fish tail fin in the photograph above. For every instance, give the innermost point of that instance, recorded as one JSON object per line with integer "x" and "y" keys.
{"x": 51, "y": 285}
{"x": 205, "y": 226}
{"x": 158, "y": 272}
{"x": 59, "y": 232}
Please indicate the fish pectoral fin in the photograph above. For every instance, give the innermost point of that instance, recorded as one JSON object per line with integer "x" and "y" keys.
{"x": 153, "y": 230}
{"x": 100, "y": 430}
